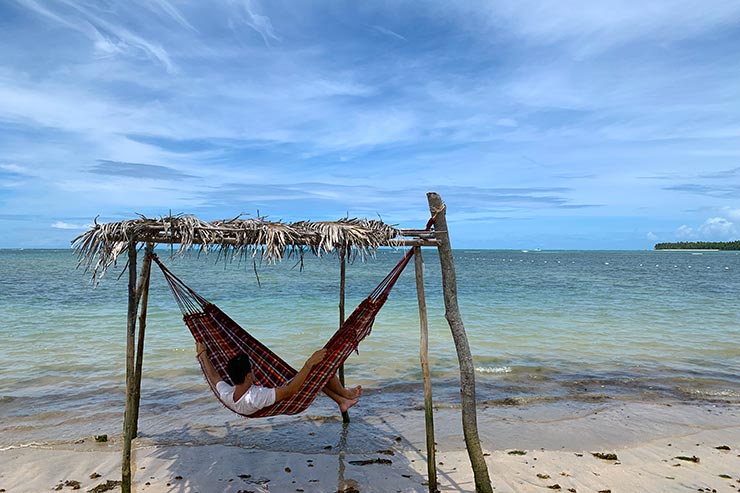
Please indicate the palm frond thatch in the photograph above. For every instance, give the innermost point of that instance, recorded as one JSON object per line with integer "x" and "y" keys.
{"x": 99, "y": 248}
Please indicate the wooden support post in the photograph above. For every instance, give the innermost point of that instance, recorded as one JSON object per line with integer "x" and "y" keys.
{"x": 467, "y": 370}
{"x": 130, "y": 341}
{"x": 142, "y": 300}
{"x": 424, "y": 356}
{"x": 342, "y": 288}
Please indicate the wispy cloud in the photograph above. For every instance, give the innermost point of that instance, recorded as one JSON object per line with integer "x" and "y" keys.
{"x": 600, "y": 115}
{"x": 107, "y": 36}
{"x": 387, "y": 32}
{"x": 720, "y": 191}
{"x": 722, "y": 174}
{"x": 14, "y": 169}
{"x": 137, "y": 170}
{"x": 171, "y": 12}
{"x": 64, "y": 225}
{"x": 591, "y": 27}
{"x": 245, "y": 12}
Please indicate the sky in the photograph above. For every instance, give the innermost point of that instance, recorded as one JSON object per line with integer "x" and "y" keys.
{"x": 563, "y": 124}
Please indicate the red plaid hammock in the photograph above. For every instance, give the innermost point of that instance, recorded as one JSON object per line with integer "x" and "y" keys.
{"x": 224, "y": 339}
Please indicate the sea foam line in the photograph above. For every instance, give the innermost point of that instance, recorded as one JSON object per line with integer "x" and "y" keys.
{"x": 495, "y": 370}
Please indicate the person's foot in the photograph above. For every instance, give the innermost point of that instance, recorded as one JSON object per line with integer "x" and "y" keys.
{"x": 354, "y": 392}
{"x": 346, "y": 404}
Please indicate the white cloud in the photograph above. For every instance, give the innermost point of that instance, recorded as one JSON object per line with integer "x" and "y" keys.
{"x": 719, "y": 228}
{"x": 14, "y": 168}
{"x": 731, "y": 212}
{"x": 713, "y": 229}
{"x": 684, "y": 232}
{"x": 64, "y": 225}
{"x": 652, "y": 236}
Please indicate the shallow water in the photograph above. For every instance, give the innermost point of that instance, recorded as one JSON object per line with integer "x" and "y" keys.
{"x": 544, "y": 327}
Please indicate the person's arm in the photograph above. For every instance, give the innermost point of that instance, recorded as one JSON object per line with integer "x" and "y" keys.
{"x": 292, "y": 387}
{"x": 211, "y": 374}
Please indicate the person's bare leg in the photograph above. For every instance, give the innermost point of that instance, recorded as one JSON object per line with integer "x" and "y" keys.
{"x": 336, "y": 386}
{"x": 343, "y": 402}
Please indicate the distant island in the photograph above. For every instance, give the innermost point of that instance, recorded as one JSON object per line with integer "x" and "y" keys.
{"x": 699, "y": 245}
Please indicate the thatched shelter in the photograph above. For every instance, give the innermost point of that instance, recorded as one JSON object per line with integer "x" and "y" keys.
{"x": 100, "y": 247}
{"x": 257, "y": 238}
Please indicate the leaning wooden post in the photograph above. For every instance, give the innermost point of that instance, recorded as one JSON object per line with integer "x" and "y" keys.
{"x": 467, "y": 370}
{"x": 342, "y": 287}
{"x": 130, "y": 341}
{"x": 142, "y": 298}
{"x": 424, "y": 356}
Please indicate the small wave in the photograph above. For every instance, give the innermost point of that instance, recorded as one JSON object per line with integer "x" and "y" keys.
{"x": 710, "y": 393}
{"x": 494, "y": 370}
{"x": 41, "y": 445}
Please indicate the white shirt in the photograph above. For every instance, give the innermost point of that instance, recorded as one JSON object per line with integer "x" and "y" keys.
{"x": 252, "y": 401}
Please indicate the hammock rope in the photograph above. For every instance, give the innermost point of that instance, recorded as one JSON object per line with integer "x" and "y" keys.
{"x": 224, "y": 339}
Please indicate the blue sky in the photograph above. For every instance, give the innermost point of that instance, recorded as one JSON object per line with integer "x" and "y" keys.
{"x": 542, "y": 124}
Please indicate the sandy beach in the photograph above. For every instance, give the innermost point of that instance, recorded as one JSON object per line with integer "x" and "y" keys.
{"x": 658, "y": 448}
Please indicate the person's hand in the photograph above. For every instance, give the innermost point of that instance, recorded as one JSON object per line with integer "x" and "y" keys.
{"x": 316, "y": 358}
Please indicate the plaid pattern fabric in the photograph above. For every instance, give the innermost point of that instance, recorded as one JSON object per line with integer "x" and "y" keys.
{"x": 224, "y": 339}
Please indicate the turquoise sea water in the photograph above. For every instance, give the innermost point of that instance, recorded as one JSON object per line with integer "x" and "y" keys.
{"x": 559, "y": 326}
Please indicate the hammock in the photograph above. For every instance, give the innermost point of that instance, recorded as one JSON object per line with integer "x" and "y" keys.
{"x": 224, "y": 339}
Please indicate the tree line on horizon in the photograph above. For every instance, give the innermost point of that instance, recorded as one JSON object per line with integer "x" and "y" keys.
{"x": 699, "y": 245}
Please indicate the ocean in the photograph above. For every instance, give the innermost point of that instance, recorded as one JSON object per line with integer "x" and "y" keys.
{"x": 544, "y": 327}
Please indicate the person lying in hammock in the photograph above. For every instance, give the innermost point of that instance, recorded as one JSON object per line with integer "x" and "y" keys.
{"x": 246, "y": 397}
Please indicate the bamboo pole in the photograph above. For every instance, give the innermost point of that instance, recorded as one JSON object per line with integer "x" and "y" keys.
{"x": 424, "y": 356}
{"x": 142, "y": 298}
{"x": 467, "y": 370}
{"x": 342, "y": 289}
{"x": 130, "y": 333}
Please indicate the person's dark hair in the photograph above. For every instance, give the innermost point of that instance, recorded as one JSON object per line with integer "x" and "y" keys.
{"x": 238, "y": 367}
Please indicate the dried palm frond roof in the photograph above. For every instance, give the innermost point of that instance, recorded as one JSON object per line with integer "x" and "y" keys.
{"x": 98, "y": 248}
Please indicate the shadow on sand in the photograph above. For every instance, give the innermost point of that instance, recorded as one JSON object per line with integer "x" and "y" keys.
{"x": 303, "y": 454}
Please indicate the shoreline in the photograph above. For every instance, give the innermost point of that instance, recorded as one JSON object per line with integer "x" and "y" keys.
{"x": 555, "y": 444}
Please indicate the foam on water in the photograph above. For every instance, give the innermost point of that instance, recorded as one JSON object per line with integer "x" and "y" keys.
{"x": 499, "y": 370}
